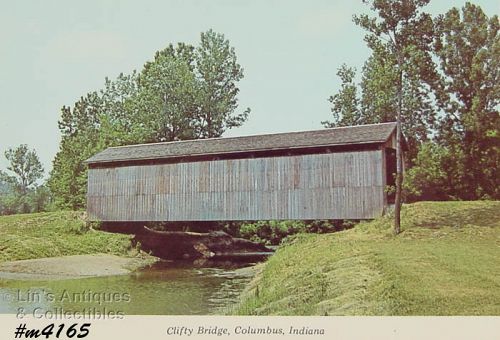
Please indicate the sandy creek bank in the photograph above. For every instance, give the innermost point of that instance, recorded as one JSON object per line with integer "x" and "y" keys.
{"x": 72, "y": 267}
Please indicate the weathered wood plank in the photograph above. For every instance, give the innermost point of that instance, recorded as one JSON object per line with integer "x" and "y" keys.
{"x": 319, "y": 186}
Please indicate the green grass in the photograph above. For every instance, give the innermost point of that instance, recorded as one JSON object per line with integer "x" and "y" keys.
{"x": 40, "y": 235}
{"x": 446, "y": 261}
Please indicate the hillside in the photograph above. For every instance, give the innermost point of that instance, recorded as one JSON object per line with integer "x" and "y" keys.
{"x": 446, "y": 261}
{"x": 30, "y": 236}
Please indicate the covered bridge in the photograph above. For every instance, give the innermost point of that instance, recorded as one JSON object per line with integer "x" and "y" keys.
{"x": 337, "y": 173}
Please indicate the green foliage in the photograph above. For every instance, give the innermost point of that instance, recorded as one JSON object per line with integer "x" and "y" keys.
{"x": 80, "y": 139}
{"x": 186, "y": 92}
{"x": 467, "y": 46}
{"x": 271, "y": 232}
{"x": 10, "y": 203}
{"x": 450, "y": 94}
{"x": 19, "y": 190}
{"x": 274, "y": 232}
{"x": 35, "y": 200}
{"x": 25, "y": 166}
{"x": 345, "y": 109}
{"x": 69, "y": 175}
{"x": 218, "y": 73}
{"x": 166, "y": 104}
{"x": 190, "y": 92}
{"x": 397, "y": 30}
{"x": 433, "y": 175}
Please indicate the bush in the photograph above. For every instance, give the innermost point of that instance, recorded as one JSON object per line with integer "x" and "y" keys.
{"x": 273, "y": 232}
{"x": 34, "y": 200}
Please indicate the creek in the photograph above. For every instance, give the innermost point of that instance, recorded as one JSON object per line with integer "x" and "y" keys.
{"x": 165, "y": 288}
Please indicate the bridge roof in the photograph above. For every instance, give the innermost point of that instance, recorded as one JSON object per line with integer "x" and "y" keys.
{"x": 350, "y": 135}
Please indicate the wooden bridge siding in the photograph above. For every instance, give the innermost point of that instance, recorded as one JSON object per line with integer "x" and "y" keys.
{"x": 347, "y": 185}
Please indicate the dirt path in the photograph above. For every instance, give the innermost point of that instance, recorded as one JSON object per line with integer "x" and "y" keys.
{"x": 71, "y": 267}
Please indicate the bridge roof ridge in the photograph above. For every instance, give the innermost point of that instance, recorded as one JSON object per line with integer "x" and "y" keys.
{"x": 348, "y": 135}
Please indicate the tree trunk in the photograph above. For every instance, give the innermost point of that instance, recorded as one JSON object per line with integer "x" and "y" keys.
{"x": 399, "y": 161}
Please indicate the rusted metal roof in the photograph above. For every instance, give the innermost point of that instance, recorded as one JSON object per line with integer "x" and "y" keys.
{"x": 350, "y": 135}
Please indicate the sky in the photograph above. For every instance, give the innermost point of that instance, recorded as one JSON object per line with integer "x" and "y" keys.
{"x": 54, "y": 52}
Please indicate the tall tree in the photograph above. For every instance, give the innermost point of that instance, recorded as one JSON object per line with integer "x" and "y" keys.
{"x": 25, "y": 167}
{"x": 190, "y": 92}
{"x": 402, "y": 31}
{"x": 166, "y": 104}
{"x": 19, "y": 185}
{"x": 80, "y": 139}
{"x": 449, "y": 77}
{"x": 96, "y": 121}
{"x": 218, "y": 72}
{"x": 378, "y": 93}
{"x": 345, "y": 104}
{"x": 116, "y": 126}
{"x": 185, "y": 92}
{"x": 380, "y": 87}
{"x": 467, "y": 44}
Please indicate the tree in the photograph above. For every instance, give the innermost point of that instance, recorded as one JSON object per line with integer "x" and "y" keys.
{"x": 167, "y": 101}
{"x": 430, "y": 178}
{"x": 345, "y": 109}
{"x": 7, "y": 196}
{"x": 25, "y": 166}
{"x": 378, "y": 92}
{"x": 189, "y": 92}
{"x": 80, "y": 128}
{"x": 218, "y": 72}
{"x": 18, "y": 186}
{"x": 116, "y": 123}
{"x": 185, "y": 92}
{"x": 381, "y": 87}
{"x": 467, "y": 45}
{"x": 399, "y": 37}
{"x": 445, "y": 73}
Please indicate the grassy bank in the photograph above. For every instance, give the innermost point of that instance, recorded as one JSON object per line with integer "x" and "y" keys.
{"x": 445, "y": 262}
{"x": 31, "y": 236}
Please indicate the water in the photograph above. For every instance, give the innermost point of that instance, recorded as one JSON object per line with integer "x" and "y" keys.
{"x": 166, "y": 288}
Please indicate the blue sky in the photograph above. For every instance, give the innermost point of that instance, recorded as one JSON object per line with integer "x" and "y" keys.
{"x": 53, "y": 52}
